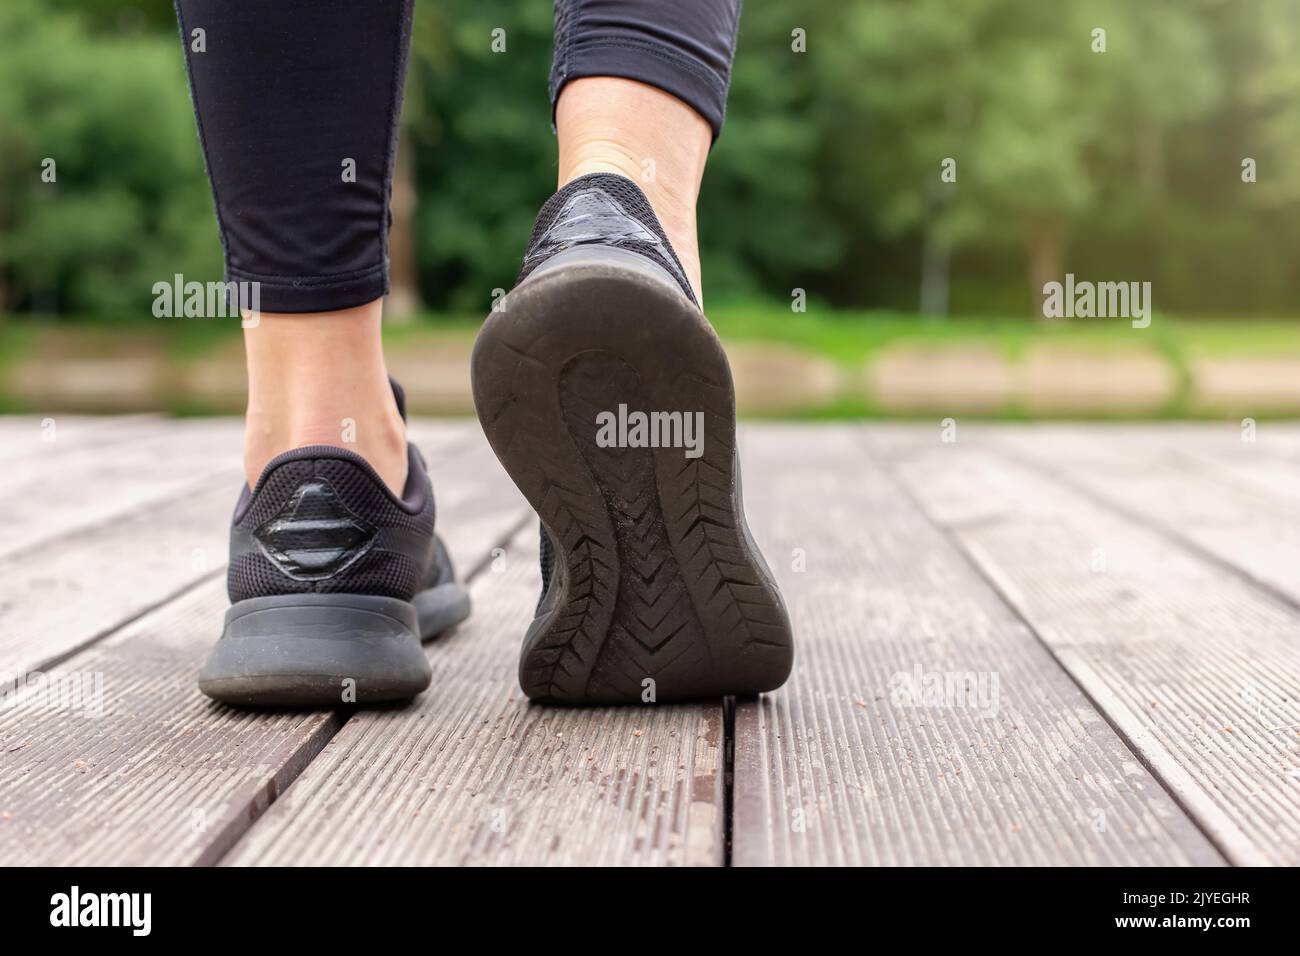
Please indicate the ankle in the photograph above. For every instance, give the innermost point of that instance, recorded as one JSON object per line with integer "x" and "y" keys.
{"x": 620, "y": 126}
{"x": 675, "y": 212}
{"x": 321, "y": 380}
{"x": 376, "y": 434}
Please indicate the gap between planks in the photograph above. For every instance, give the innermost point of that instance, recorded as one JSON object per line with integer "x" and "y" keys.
{"x": 1224, "y": 513}
{"x": 61, "y": 595}
{"x": 1155, "y": 637}
{"x": 830, "y": 771}
{"x": 164, "y": 776}
{"x": 473, "y": 773}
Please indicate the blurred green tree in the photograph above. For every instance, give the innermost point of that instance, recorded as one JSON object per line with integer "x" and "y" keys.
{"x": 480, "y": 123}
{"x": 1119, "y": 164}
{"x": 128, "y": 204}
{"x": 1043, "y": 115}
{"x": 1272, "y": 93}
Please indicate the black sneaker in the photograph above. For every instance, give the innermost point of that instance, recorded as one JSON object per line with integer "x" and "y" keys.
{"x": 333, "y": 583}
{"x": 607, "y": 397}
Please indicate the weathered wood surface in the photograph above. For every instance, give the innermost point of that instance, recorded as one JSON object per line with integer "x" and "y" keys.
{"x": 27, "y": 440}
{"x": 95, "y": 577}
{"x": 474, "y": 774}
{"x": 70, "y": 485}
{"x": 1233, "y": 501}
{"x": 858, "y": 761}
{"x": 1197, "y": 668}
{"x": 1132, "y": 590}
{"x": 157, "y": 773}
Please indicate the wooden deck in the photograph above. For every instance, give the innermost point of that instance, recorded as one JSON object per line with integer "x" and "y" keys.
{"x": 1034, "y": 645}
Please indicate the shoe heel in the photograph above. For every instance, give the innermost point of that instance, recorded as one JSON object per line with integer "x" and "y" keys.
{"x": 320, "y": 650}
{"x": 657, "y": 576}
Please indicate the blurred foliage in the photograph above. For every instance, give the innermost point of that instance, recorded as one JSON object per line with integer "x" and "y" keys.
{"x": 128, "y": 204}
{"x": 1119, "y": 165}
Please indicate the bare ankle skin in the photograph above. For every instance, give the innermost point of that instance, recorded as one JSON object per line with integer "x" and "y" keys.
{"x": 320, "y": 379}
{"x": 608, "y": 124}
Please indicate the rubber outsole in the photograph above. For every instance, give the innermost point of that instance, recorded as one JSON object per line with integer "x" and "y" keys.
{"x": 328, "y": 650}
{"x": 658, "y": 592}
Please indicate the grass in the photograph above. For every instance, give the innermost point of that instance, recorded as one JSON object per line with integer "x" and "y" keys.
{"x": 1228, "y": 338}
{"x": 850, "y": 339}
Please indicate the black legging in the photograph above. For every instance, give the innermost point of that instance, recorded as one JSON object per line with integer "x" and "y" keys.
{"x": 294, "y": 98}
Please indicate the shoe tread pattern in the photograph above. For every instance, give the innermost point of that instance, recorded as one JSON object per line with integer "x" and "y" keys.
{"x": 656, "y": 577}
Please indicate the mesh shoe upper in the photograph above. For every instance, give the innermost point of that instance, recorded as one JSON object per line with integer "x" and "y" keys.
{"x": 321, "y": 520}
{"x": 602, "y": 209}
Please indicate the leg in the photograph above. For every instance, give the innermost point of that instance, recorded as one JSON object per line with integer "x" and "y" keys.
{"x": 608, "y": 124}
{"x": 318, "y": 379}
{"x": 606, "y": 394}
{"x": 335, "y": 573}
{"x": 640, "y": 89}
{"x": 297, "y": 104}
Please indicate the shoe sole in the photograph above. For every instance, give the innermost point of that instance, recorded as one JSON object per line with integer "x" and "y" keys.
{"x": 658, "y": 591}
{"x": 328, "y": 650}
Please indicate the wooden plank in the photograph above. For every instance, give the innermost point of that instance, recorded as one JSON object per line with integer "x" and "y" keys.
{"x": 475, "y": 774}
{"x": 24, "y": 438}
{"x": 1196, "y": 668}
{"x": 35, "y": 454}
{"x": 1228, "y": 499}
{"x": 157, "y": 773}
{"x": 848, "y": 765}
{"x": 83, "y": 586}
{"x": 70, "y": 486}
{"x": 93, "y": 485}
{"x": 1270, "y": 477}
{"x": 154, "y": 773}
{"x": 88, "y": 584}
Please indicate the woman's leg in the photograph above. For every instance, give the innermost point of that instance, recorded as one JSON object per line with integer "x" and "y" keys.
{"x": 335, "y": 572}
{"x": 640, "y": 89}
{"x": 318, "y": 378}
{"x": 297, "y": 103}
{"x": 607, "y": 396}
{"x": 612, "y": 125}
